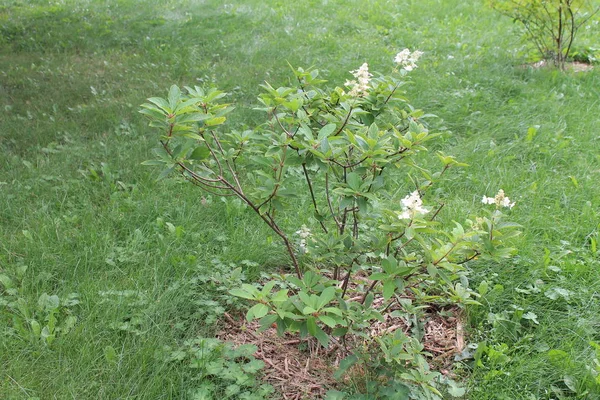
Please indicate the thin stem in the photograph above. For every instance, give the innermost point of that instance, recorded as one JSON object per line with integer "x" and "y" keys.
{"x": 233, "y": 173}
{"x": 398, "y": 249}
{"x": 364, "y": 298}
{"x": 347, "y": 277}
{"x": 437, "y": 211}
{"x": 288, "y": 133}
{"x": 312, "y": 196}
{"x": 273, "y": 194}
{"x": 345, "y": 215}
{"x": 331, "y": 160}
{"x": 307, "y": 99}
{"x": 278, "y": 176}
{"x": 445, "y": 255}
{"x": 354, "y": 223}
{"x": 573, "y": 30}
{"x": 214, "y": 156}
{"x": 345, "y": 122}
{"x": 559, "y": 37}
{"x": 183, "y": 168}
{"x": 344, "y": 219}
{"x": 474, "y": 256}
{"x": 345, "y": 284}
{"x": 329, "y": 201}
{"x": 391, "y": 93}
{"x": 268, "y": 219}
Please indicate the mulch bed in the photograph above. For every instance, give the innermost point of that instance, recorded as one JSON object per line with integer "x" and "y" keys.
{"x": 302, "y": 369}
{"x": 572, "y": 66}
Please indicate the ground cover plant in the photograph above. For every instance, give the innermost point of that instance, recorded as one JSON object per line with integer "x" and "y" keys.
{"x": 124, "y": 275}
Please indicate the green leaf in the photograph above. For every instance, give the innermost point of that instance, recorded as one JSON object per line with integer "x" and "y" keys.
{"x": 306, "y": 132}
{"x": 244, "y": 350}
{"x": 174, "y": 96}
{"x": 456, "y": 391}
{"x": 345, "y": 364}
{"x": 330, "y": 322}
{"x": 306, "y": 299}
{"x": 335, "y": 395}
{"x": 389, "y": 264}
{"x": 165, "y": 172}
{"x": 322, "y": 337}
{"x": 266, "y": 321}
{"x": 161, "y": 153}
{"x": 354, "y": 181}
{"x": 373, "y": 131}
{"x": 231, "y": 391}
{"x": 153, "y": 162}
{"x": 326, "y": 296}
{"x": 311, "y": 325}
{"x": 253, "y": 366}
{"x": 280, "y": 296}
{"x": 6, "y": 281}
{"x": 558, "y": 357}
{"x": 200, "y": 153}
{"x": 35, "y": 328}
{"x": 531, "y": 132}
{"x": 340, "y": 331}
{"x": 153, "y": 112}
{"x": 389, "y": 287}
{"x": 378, "y": 276}
{"x": 48, "y": 303}
{"x": 325, "y": 131}
{"x": 369, "y": 300}
{"x": 293, "y": 105}
{"x": 214, "y": 94}
{"x": 161, "y": 103}
{"x": 47, "y": 335}
{"x": 295, "y": 281}
{"x": 308, "y": 310}
{"x": 362, "y": 204}
{"x": 531, "y": 316}
{"x": 195, "y": 117}
{"x": 110, "y": 355}
{"x": 432, "y": 270}
{"x": 242, "y": 293}
{"x": 483, "y": 287}
{"x": 333, "y": 310}
{"x": 570, "y": 383}
{"x": 397, "y": 391}
{"x": 257, "y": 311}
{"x": 266, "y": 290}
{"x": 215, "y": 121}
{"x": 68, "y": 324}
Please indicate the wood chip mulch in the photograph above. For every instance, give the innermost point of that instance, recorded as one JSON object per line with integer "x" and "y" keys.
{"x": 301, "y": 369}
{"x": 574, "y": 66}
{"x": 297, "y": 369}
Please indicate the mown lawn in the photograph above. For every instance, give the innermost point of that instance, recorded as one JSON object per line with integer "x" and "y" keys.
{"x": 82, "y": 219}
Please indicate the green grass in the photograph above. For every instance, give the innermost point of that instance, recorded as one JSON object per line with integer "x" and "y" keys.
{"x": 78, "y": 209}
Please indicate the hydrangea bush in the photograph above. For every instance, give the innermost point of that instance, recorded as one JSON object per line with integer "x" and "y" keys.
{"x": 350, "y": 161}
{"x": 551, "y": 25}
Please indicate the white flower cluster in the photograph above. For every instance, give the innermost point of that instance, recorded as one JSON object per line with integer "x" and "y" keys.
{"x": 412, "y": 205}
{"x": 500, "y": 200}
{"x": 361, "y": 87}
{"x": 408, "y": 60}
{"x": 304, "y": 234}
